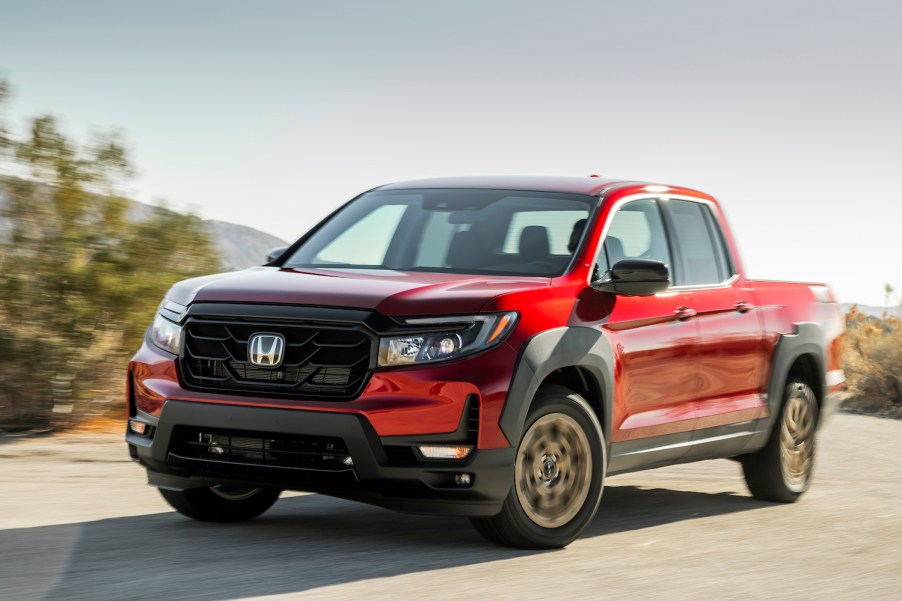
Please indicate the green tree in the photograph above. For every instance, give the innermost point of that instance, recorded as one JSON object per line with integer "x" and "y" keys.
{"x": 80, "y": 276}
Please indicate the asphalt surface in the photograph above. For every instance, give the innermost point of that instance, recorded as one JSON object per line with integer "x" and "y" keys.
{"x": 78, "y": 522}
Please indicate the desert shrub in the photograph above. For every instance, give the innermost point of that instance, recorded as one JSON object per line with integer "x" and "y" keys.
{"x": 872, "y": 360}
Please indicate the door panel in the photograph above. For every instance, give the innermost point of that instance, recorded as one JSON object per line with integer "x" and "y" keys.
{"x": 654, "y": 379}
{"x": 731, "y": 357}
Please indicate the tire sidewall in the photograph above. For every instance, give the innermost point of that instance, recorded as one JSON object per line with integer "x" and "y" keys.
{"x": 205, "y": 505}
{"x": 562, "y": 400}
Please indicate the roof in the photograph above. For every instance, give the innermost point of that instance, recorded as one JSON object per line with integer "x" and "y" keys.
{"x": 534, "y": 183}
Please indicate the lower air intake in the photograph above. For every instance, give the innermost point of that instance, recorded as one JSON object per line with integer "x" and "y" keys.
{"x": 262, "y": 449}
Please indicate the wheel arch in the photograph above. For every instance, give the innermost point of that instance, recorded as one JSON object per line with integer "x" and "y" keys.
{"x": 579, "y": 358}
{"x": 809, "y": 368}
{"x": 579, "y": 379}
{"x": 799, "y": 354}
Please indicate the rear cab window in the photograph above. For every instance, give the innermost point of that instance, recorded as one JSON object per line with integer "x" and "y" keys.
{"x": 702, "y": 258}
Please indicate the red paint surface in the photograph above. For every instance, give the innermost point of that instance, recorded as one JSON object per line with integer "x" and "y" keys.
{"x": 655, "y": 353}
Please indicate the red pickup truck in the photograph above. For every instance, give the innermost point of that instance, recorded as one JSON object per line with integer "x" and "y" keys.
{"x": 491, "y": 347}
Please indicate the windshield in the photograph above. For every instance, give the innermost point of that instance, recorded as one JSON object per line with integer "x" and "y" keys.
{"x": 497, "y": 232}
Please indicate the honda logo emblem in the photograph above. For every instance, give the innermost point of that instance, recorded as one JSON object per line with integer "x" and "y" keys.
{"x": 266, "y": 350}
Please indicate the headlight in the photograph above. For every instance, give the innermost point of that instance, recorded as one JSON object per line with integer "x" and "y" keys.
{"x": 465, "y": 336}
{"x": 165, "y": 333}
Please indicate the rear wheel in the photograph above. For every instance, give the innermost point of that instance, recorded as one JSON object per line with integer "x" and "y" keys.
{"x": 558, "y": 475}
{"x": 782, "y": 470}
{"x": 222, "y": 503}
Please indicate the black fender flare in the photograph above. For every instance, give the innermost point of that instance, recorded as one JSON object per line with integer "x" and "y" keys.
{"x": 808, "y": 339}
{"x": 575, "y": 346}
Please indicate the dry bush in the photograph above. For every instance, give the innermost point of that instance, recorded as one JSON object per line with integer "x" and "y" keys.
{"x": 872, "y": 360}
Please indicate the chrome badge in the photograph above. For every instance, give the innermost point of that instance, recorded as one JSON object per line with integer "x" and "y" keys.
{"x": 266, "y": 350}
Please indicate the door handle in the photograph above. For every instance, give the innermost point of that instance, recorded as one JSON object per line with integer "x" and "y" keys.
{"x": 743, "y": 306}
{"x": 683, "y": 313}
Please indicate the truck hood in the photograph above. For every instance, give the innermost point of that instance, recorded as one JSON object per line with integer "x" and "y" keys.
{"x": 388, "y": 292}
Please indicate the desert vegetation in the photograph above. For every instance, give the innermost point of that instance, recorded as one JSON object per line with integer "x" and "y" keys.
{"x": 872, "y": 360}
{"x": 80, "y": 278}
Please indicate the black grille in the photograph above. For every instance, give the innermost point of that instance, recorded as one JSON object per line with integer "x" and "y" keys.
{"x": 320, "y": 360}
{"x": 260, "y": 449}
{"x": 473, "y": 419}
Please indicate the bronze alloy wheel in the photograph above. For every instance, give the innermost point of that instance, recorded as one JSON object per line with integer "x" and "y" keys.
{"x": 781, "y": 471}
{"x": 797, "y": 437}
{"x": 553, "y": 470}
{"x": 558, "y": 475}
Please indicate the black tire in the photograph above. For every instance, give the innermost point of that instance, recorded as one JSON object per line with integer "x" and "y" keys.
{"x": 565, "y": 470}
{"x": 782, "y": 470}
{"x": 225, "y": 503}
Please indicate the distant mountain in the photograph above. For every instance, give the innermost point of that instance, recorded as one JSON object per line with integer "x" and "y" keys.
{"x": 240, "y": 246}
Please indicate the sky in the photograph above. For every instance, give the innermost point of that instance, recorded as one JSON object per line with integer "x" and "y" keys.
{"x": 271, "y": 114}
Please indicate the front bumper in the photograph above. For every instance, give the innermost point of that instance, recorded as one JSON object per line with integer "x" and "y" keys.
{"x": 421, "y": 486}
{"x": 412, "y": 401}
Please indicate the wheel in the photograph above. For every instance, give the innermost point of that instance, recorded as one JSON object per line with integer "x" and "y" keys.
{"x": 782, "y": 470}
{"x": 558, "y": 475}
{"x": 223, "y": 503}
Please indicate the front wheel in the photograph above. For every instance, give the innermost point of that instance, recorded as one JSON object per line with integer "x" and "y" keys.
{"x": 782, "y": 470}
{"x": 558, "y": 475}
{"x": 223, "y": 503}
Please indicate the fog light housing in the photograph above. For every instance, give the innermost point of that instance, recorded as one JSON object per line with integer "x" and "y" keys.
{"x": 137, "y": 427}
{"x": 463, "y": 479}
{"x": 445, "y": 451}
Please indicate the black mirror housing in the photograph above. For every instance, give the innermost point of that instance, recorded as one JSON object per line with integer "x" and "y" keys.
{"x": 275, "y": 253}
{"x": 635, "y": 277}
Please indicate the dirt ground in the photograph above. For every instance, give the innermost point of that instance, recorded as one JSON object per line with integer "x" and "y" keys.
{"x": 78, "y": 522}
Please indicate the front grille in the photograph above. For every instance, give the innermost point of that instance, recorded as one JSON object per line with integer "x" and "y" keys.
{"x": 260, "y": 449}
{"x": 319, "y": 360}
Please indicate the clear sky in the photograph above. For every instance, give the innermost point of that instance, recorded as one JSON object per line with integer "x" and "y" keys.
{"x": 272, "y": 113}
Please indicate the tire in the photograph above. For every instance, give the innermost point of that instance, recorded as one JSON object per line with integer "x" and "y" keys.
{"x": 224, "y": 503}
{"x": 558, "y": 475}
{"x": 782, "y": 470}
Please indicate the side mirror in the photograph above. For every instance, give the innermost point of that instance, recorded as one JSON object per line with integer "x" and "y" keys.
{"x": 635, "y": 277}
{"x": 275, "y": 253}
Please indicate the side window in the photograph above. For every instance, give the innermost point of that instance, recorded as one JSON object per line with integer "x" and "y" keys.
{"x": 637, "y": 232}
{"x": 702, "y": 255}
{"x": 365, "y": 242}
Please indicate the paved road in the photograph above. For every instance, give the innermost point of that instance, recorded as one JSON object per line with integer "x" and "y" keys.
{"x": 76, "y": 522}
